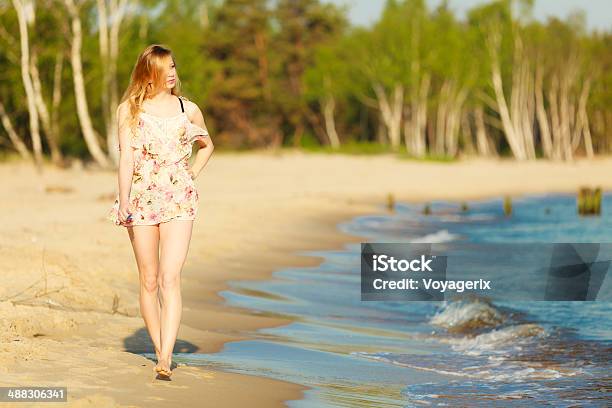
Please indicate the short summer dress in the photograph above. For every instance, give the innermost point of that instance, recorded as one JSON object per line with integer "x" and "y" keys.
{"x": 162, "y": 188}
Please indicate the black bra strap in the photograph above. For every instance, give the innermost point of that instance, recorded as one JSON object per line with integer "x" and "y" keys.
{"x": 181, "y": 101}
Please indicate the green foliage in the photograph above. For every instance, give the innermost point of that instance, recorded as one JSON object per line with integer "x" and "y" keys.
{"x": 262, "y": 71}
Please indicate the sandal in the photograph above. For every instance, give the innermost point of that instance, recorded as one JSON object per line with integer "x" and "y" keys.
{"x": 164, "y": 374}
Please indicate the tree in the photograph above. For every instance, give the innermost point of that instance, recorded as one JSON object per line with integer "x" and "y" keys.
{"x": 25, "y": 16}
{"x": 89, "y": 133}
{"x": 303, "y": 26}
{"x": 110, "y": 17}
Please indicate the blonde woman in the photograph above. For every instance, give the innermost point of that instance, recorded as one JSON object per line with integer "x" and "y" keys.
{"x": 158, "y": 200}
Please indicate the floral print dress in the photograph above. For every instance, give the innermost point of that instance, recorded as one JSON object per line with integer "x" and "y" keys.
{"x": 162, "y": 188}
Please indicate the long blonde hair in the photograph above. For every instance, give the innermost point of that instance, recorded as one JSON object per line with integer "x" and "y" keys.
{"x": 148, "y": 77}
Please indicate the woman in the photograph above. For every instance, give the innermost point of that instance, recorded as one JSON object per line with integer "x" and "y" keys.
{"x": 158, "y": 200}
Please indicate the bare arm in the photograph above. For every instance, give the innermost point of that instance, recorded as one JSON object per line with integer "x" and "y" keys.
{"x": 126, "y": 156}
{"x": 205, "y": 144}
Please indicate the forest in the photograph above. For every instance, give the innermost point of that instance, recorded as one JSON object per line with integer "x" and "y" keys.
{"x": 421, "y": 81}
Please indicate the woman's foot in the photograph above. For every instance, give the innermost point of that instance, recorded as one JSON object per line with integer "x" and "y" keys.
{"x": 163, "y": 369}
{"x": 157, "y": 358}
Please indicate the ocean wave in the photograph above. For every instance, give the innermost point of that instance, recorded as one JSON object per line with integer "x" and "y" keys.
{"x": 466, "y": 316}
{"x": 497, "y": 339}
{"x": 436, "y": 237}
{"x": 489, "y": 343}
{"x": 481, "y": 368}
{"x": 466, "y": 217}
{"x": 479, "y": 393}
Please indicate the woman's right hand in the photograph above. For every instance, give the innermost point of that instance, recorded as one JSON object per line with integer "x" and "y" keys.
{"x": 123, "y": 213}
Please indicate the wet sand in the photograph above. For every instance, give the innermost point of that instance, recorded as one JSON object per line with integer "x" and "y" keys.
{"x": 69, "y": 312}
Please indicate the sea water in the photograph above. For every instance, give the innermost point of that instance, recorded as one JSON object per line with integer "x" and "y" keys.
{"x": 402, "y": 354}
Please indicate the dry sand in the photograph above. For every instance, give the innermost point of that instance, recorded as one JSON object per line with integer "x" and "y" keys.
{"x": 69, "y": 295}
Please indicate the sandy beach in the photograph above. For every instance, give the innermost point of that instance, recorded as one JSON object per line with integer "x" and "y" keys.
{"x": 69, "y": 300}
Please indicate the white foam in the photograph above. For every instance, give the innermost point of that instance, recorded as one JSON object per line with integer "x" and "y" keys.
{"x": 494, "y": 339}
{"x": 465, "y": 315}
{"x": 466, "y": 217}
{"x": 436, "y": 237}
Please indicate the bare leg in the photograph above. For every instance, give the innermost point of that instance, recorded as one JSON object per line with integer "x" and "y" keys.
{"x": 175, "y": 236}
{"x": 145, "y": 241}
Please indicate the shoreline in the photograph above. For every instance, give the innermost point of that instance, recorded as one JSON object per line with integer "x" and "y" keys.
{"x": 323, "y": 200}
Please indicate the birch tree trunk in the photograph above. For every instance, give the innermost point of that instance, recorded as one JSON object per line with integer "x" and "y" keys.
{"x": 466, "y": 134}
{"x": 57, "y": 96}
{"x": 25, "y": 15}
{"x": 89, "y": 133}
{"x": 415, "y": 118}
{"x": 420, "y": 127}
{"x": 565, "y": 137}
{"x": 448, "y": 118}
{"x": 522, "y": 99}
{"x": 19, "y": 145}
{"x": 441, "y": 115}
{"x": 329, "y": 105}
{"x": 514, "y": 126}
{"x": 569, "y": 119}
{"x": 45, "y": 118}
{"x": 109, "y": 50}
{"x": 542, "y": 116}
{"x": 104, "y": 54}
{"x": 555, "y": 118}
{"x": 582, "y": 119}
{"x": 391, "y": 111}
{"x": 484, "y": 146}
{"x": 454, "y": 121}
{"x": 118, "y": 11}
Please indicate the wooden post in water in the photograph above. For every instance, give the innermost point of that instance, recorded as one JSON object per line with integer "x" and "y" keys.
{"x": 597, "y": 199}
{"x": 589, "y": 201}
{"x": 427, "y": 209}
{"x": 464, "y": 207}
{"x": 581, "y": 200}
{"x": 390, "y": 202}
{"x": 507, "y": 206}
